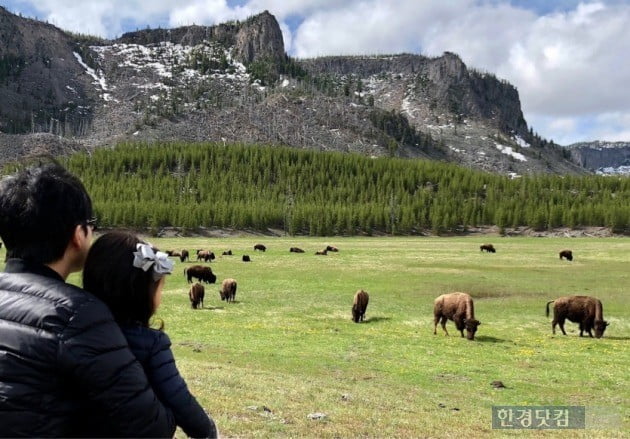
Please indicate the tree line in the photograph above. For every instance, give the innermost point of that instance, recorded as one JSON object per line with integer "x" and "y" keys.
{"x": 323, "y": 193}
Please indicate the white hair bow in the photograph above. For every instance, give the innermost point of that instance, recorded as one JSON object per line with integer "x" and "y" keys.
{"x": 146, "y": 258}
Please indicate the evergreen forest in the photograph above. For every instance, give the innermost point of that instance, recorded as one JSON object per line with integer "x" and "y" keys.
{"x": 305, "y": 192}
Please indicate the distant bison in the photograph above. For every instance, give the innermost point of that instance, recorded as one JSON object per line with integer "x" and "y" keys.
{"x": 323, "y": 252}
{"x": 487, "y": 247}
{"x": 184, "y": 256}
{"x": 459, "y": 308}
{"x": 296, "y": 250}
{"x": 260, "y": 247}
{"x": 330, "y": 248}
{"x": 227, "y": 253}
{"x": 585, "y": 310}
{"x": 246, "y": 258}
{"x": 204, "y": 274}
{"x": 205, "y": 255}
{"x": 196, "y": 294}
{"x": 228, "y": 290}
{"x": 359, "y": 306}
{"x": 566, "y": 254}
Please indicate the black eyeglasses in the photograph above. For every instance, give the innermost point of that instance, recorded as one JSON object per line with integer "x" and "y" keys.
{"x": 92, "y": 223}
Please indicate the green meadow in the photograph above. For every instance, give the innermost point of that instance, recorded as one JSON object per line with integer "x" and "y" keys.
{"x": 287, "y": 347}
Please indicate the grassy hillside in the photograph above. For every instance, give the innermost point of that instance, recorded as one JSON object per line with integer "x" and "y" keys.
{"x": 287, "y": 348}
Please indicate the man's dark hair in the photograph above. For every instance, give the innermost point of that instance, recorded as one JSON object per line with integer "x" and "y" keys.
{"x": 40, "y": 207}
{"x": 109, "y": 274}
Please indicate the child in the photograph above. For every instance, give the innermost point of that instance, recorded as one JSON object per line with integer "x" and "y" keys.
{"x": 128, "y": 275}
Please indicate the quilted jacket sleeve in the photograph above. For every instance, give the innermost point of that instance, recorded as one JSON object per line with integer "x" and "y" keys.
{"x": 95, "y": 357}
{"x": 171, "y": 388}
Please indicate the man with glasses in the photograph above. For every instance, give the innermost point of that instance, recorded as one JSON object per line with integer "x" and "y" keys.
{"x": 61, "y": 352}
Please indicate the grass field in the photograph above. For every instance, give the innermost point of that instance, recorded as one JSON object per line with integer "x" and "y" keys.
{"x": 287, "y": 347}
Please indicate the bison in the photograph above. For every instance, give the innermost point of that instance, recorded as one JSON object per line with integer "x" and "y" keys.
{"x": 488, "y": 248}
{"x": 228, "y": 290}
{"x": 260, "y": 247}
{"x": 227, "y": 253}
{"x": 330, "y": 248}
{"x": 184, "y": 256}
{"x": 323, "y": 252}
{"x": 246, "y": 258}
{"x": 205, "y": 255}
{"x": 459, "y": 308}
{"x": 196, "y": 294}
{"x": 359, "y": 306}
{"x": 567, "y": 254}
{"x": 204, "y": 274}
{"x": 296, "y": 250}
{"x": 585, "y": 310}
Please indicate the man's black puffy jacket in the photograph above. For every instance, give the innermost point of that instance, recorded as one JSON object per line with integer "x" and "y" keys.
{"x": 63, "y": 355}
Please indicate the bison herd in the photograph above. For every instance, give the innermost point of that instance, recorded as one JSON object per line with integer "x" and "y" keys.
{"x": 458, "y": 307}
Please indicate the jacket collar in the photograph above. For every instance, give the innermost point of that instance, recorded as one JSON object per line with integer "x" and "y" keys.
{"x": 16, "y": 265}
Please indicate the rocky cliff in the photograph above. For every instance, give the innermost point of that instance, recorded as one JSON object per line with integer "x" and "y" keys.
{"x": 602, "y": 157}
{"x": 234, "y": 83}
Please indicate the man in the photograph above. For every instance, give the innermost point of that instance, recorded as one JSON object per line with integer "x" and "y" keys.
{"x": 63, "y": 359}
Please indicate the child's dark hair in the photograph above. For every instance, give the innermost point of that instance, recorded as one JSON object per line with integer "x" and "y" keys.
{"x": 109, "y": 274}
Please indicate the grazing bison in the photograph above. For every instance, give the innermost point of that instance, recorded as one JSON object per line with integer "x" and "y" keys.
{"x": 260, "y": 247}
{"x": 585, "y": 310}
{"x": 459, "y": 308}
{"x": 330, "y": 248}
{"x": 487, "y": 247}
{"x": 567, "y": 254}
{"x": 196, "y": 294}
{"x": 361, "y": 299}
{"x": 246, "y": 258}
{"x": 296, "y": 250}
{"x": 205, "y": 255}
{"x": 228, "y": 290}
{"x": 323, "y": 252}
{"x": 184, "y": 256}
{"x": 227, "y": 253}
{"x": 204, "y": 274}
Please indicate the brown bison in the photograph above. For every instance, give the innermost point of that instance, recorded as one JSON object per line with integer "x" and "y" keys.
{"x": 260, "y": 247}
{"x": 205, "y": 255}
{"x": 459, "y": 308}
{"x": 566, "y": 254}
{"x": 488, "y": 248}
{"x": 330, "y": 248}
{"x": 228, "y": 290}
{"x": 296, "y": 250}
{"x": 227, "y": 253}
{"x": 196, "y": 294}
{"x": 246, "y": 258}
{"x": 359, "y": 306}
{"x": 204, "y": 274}
{"x": 585, "y": 310}
{"x": 323, "y": 252}
{"x": 184, "y": 256}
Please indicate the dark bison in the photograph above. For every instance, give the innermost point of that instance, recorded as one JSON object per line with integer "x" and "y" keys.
{"x": 260, "y": 247}
{"x": 566, "y": 254}
{"x": 174, "y": 254}
{"x": 196, "y": 294}
{"x": 487, "y": 247}
{"x": 246, "y": 258}
{"x": 184, "y": 256}
{"x": 228, "y": 290}
{"x": 296, "y": 250}
{"x": 330, "y": 248}
{"x": 205, "y": 255}
{"x": 359, "y": 306}
{"x": 227, "y": 253}
{"x": 204, "y": 274}
{"x": 459, "y": 308}
{"x": 585, "y": 310}
{"x": 323, "y": 252}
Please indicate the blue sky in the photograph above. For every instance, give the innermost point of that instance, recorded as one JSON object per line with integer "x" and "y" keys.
{"x": 568, "y": 59}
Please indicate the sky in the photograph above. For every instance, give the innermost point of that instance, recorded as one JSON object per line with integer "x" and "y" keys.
{"x": 569, "y": 60}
